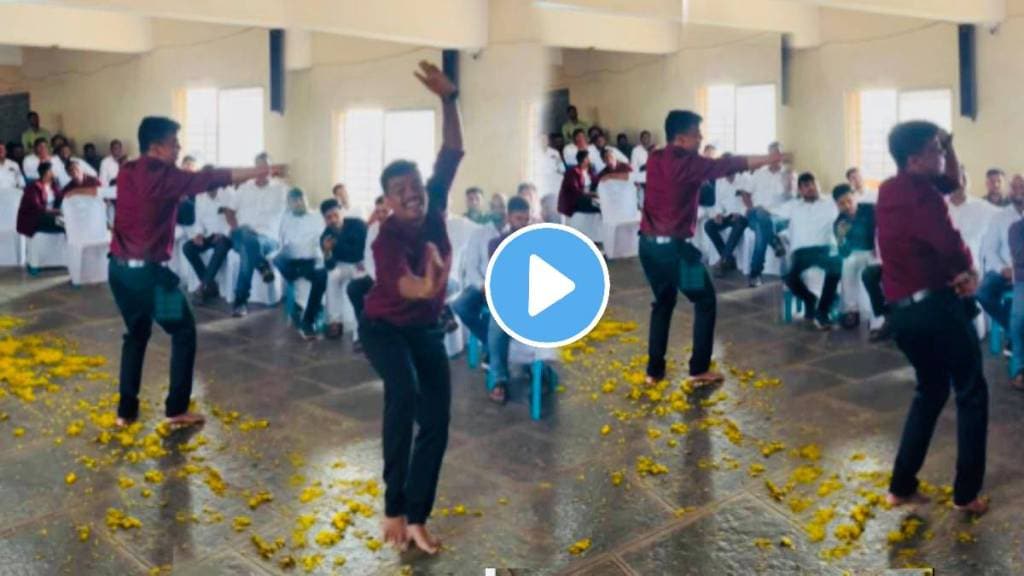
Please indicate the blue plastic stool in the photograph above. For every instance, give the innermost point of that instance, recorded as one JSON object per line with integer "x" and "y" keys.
{"x": 319, "y": 325}
{"x": 995, "y": 331}
{"x": 788, "y": 300}
{"x": 473, "y": 351}
{"x": 536, "y": 385}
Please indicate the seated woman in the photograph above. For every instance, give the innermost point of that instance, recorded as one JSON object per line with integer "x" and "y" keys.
{"x": 39, "y": 210}
{"x": 575, "y": 195}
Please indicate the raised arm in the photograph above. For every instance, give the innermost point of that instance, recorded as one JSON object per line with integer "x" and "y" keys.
{"x": 451, "y": 146}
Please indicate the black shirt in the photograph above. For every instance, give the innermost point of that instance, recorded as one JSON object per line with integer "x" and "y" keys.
{"x": 857, "y": 232}
{"x": 349, "y": 243}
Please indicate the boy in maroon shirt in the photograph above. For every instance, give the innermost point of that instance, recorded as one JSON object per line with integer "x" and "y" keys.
{"x": 929, "y": 282}
{"x": 400, "y": 328}
{"x": 149, "y": 191}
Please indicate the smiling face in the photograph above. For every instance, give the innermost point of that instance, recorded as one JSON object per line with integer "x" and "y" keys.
{"x": 406, "y": 197}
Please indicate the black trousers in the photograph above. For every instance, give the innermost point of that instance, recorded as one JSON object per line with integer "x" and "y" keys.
{"x": 49, "y": 224}
{"x": 736, "y": 224}
{"x": 207, "y": 273}
{"x": 587, "y": 205}
{"x": 143, "y": 295}
{"x": 357, "y": 290}
{"x": 871, "y": 277}
{"x": 292, "y": 270}
{"x": 674, "y": 267}
{"x": 937, "y": 335}
{"x": 417, "y": 389}
{"x": 814, "y": 257}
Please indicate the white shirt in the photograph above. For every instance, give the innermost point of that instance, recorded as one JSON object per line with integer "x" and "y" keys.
{"x": 639, "y": 157}
{"x": 597, "y": 162}
{"x": 810, "y": 223}
{"x": 209, "y": 219}
{"x": 30, "y": 165}
{"x": 300, "y": 236}
{"x": 475, "y": 256}
{"x": 569, "y": 155}
{"x": 261, "y": 208}
{"x": 769, "y": 188}
{"x": 109, "y": 169}
{"x": 10, "y": 175}
{"x": 726, "y": 200}
{"x": 995, "y": 244}
{"x": 87, "y": 168}
{"x": 548, "y": 170}
{"x": 368, "y": 264}
{"x": 972, "y": 219}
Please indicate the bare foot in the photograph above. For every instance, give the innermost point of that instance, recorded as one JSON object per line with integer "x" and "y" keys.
{"x": 707, "y": 378}
{"x": 395, "y": 533}
{"x": 123, "y": 422}
{"x": 185, "y": 420}
{"x": 896, "y": 501}
{"x": 423, "y": 539}
{"x": 976, "y": 507}
{"x": 651, "y": 380}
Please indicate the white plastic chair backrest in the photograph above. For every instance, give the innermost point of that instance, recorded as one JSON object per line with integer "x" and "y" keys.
{"x": 460, "y": 229}
{"x": 85, "y": 220}
{"x": 10, "y": 199}
{"x": 618, "y": 202}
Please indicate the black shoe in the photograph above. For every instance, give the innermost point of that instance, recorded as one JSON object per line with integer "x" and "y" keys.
{"x": 448, "y": 320}
{"x": 210, "y": 292}
{"x": 778, "y": 247}
{"x": 823, "y": 322}
{"x": 240, "y": 311}
{"x": 756, "y": 281}
{"x": 882, "y": 333}
{"x": 850, "y": 320}
{"x": 266, "y": 272}
{"x": 307, "y": 332}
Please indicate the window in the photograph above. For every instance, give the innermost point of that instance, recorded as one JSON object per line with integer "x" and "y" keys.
{"x": 224, "y": 127}
{"x": 371, "y": 139}
{"x": 740, "y": 119}
{"x": 877, "y": 111}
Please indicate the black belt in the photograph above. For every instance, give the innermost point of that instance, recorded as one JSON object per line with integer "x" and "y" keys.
{"x": 917, "y": 297}
{"x": 131, "y": 263}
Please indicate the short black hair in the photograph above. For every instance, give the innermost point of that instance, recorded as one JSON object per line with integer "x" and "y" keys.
{"x": 525, "y": 186}
{"x": 518, "y": 204}
{"x": 851, "y": 170}
{"x": 910, "y": 138}
{"x": 396, "y": 169}
{"x": 622, "y": 135}
{"x": 474, "y": 190}
{"x": 44, "y": 167}
{"x": 296, "y": 193}
{"x": 840, "y": 191}
{"x": 378, "y": 200}
{"x": 115, "y": 141}
{"x": 582, "y": 155}
{"x": 679, "y": 122}
{"x": 32, "y": 113}
{"x": 648, "y": 132}
{"x": 571, "y": 107}
{"x": 39, "y": 141}
{"x": 577, "y": 132}
{"x": 262, "y": 157}
{"x": 328, "y": 205}
{"x": 994, "y": 172}
{"x": 189, "y": 158}
{"x": 805, "y": 178}
{"x": 156, "y": 129}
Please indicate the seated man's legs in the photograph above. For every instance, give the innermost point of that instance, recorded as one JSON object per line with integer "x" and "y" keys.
{"x": 990, "y": 296}
{"x": 194, "y": 254}
{"x": 760, "y": 221}
{"x": 252, "y": 250}
{"x": 853, "y": 268}
{"x": 833, "y": 267}
{"x": 49, "y": 224}
{"x": 737, "y": 226}
{"x": 469, "y": 307}
{"x": 713, "y": 228}
{"x": 801, "y": 260}
{"x": 318, "y": 279}
{"x": 221, "y": 247}
{"x": 339, "y": 279}
{"x": 497, "y": 352}
{"x": 357, "y": 290}
{"x": 1017, "y": 336}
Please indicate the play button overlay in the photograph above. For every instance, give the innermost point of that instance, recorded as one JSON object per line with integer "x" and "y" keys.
{"x": 547, "y": 285}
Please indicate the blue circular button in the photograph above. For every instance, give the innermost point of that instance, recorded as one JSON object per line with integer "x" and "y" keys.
{"x": 547, "y": 285}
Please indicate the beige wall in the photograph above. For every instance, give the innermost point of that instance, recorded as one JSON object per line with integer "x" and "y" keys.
{"x": 624, "y": 92}
{"x": 11, "y": 80}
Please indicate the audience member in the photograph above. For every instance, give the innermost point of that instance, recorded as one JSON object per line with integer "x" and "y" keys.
{"x": 527, "y": 191}
{"x": 571, "y": 153}
{"x": 360, "y": 286}
{"x": 622, "y": 144}
{"x": 300, "y": 257}
{"x": 40, "y": 154}
{"x": 189, "y": 164}
{"x": 39, "y": 210}
{"x": 10, "y": 172}
{"x": 548, "y": 166}
{"x": 66, "y": 157}
{"x": 210, "y": 232}
{"x": 56, "y": 142}
{"x": 471, "y": 304}
{"x": 255, "y": 219}
{"x": 812, "y": 245}
{"x": 575, "y": 195}
{"x": 613, "y": 168}
{"x": 995, "y": 182}
{"x": 727, "y": 214}
{"x": 110, "y": 165}
{"x": 33, "y": 133}
{"x": 770, "y": 187}
{"x": 710, "y": 151}
{"x": 855, "y": 235}
{"x": 475, "y": 205}
{"x": 91, "y": 157}
{"x": 997, "y": 262}
{"x": 1016, "y": 241}
{"x": 343, "y": 243}
{"x": 970, "y": 216}
{"x": 340, "y": 193}
{"x": 856, "y": 182}
{"x": 638, "y": 159}
{"x": 573, "y": 123}
{"x": 16, "y": 152}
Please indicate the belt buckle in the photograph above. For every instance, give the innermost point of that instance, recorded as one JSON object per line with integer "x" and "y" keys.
{"x": 662, "y": 239}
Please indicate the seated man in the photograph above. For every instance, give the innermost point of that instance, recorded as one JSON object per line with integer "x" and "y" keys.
{"x": 475, "y": 205}
{"x": 471, "y": 305}
{"x": 769, "y": 188}
{"x": 344, "y": 245}
{"x": 575, "y": 195}
{"x": 571, "y": 153}
{"x": 1016, "y": 240}
{"x": 255, "y": 220}
{"x": 527, "y": 191}
{"x": 300, "y": 256}
{"x": 210, "y": 232}
{"x": 65, "y": 155}
{"x": 39, "y": 210}
{"x": 727, "y": 214}
{"x": 810, "y": 227}
{"x": 642, "y": 151}
{"x": 40, "y": 154}
{"x": 997, "y": 262}
{"x": 497, "y": 340}
{"x": 855, "y": 235}
{"x": 361, "y": 285}
{"x": 995, "y": 182}
{"x": 613, "y": 168}
{"x": 10, "y": 172}
{"x": 111, "y": 165}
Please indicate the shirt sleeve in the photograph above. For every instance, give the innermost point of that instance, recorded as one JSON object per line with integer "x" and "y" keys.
{"x": 445, "y": 166}
{"x": 390, "y": 265}
{"x": 936, "y": 230}
{"x": 175, "y": 182}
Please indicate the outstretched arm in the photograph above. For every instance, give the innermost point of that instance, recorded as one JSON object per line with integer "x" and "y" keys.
{"x": 450, "y": 155}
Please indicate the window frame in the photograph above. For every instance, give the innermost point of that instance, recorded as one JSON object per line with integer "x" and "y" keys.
{"x": 732, "y": 145}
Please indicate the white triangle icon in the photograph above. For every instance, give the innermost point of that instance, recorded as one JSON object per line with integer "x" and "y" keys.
{"x": 547, "y": 286}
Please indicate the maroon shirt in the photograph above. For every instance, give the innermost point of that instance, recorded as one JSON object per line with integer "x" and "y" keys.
{"x": 87, "y": 182}
{"x": 33, "y": 206}
{"x": 672, "y": 193}
{"x": 919, "y": 247}
{"x": 400, "y": 248}
{"x": 148, "y": 192}
{"x": 574, "y": 186}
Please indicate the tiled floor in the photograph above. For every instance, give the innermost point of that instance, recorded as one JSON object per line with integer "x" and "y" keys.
{"x": 515, "y": 494}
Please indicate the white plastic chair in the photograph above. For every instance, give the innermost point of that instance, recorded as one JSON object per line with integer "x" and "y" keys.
{"x": 589, "y": 223}
{"x": 45, "y": 250}
{"x": 620, "y": 217}
{"x": 88, "y": 240}
{"x": 261, "y": 292}
{"x": 12, "y": 247}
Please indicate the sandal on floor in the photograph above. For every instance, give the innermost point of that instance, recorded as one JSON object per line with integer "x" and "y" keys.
{"x": 1017, "y": 382}
{"x": 499, "y": 394}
